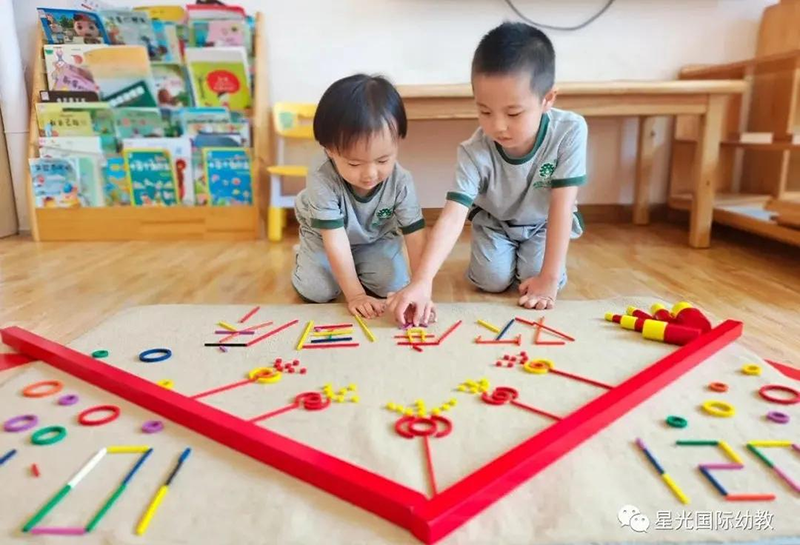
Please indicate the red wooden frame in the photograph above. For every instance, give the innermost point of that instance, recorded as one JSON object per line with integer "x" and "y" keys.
{"x": 428, "y": 519}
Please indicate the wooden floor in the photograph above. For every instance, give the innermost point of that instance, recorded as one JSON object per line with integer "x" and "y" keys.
{"x": 61, "y": 290}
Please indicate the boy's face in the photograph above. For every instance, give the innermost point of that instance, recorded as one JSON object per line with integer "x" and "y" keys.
{"x": 509, "y": 111}
{"x": 368, "y": 162}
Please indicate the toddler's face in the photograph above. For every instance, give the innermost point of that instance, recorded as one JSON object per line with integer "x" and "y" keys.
{"x": 368, "y": 162}
{"x": 509, "y": 111}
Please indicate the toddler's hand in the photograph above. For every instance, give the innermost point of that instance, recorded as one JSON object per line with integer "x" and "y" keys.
{"x": 413, "y": 305}
{"x": 366, "y": 306}
{"x": 538, "y": 293}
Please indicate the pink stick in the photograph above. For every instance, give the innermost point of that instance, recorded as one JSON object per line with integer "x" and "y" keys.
{"x": 332, "y": 345}
{"x": 786, "y": 478}
{"x": 271, "y": 333}
{"x": 59, "y": 531}
{"x": 333, "y": 326}
{"x": 721, "y": 466}
{"x": 449, "y": 331}
{"x": 580, "y": 379}
{"x": 550, "y": 329}
{"x": 259, "y": 326}
{"x": 248, "y": 315}
{"x": 534, "y": 410}
{"x": 431, "y": 475}
{"x": 221, "y": 389}
{"x": 274, "y": 413}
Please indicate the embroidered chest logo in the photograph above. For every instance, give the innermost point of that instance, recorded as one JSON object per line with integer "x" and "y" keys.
{"x": 545, "y": 173}
{"x": 382, "y": 215}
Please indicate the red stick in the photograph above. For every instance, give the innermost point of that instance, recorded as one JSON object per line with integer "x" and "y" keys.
{"x": 516, "y": 340}
{"x": 259, "y": 326}
{"x": 448, "y": 332}
{"x": 417, "y": 348}
{"x": 433, "y": 343}
{"x": 248, "y": 315}
{"x": 750, "y": 497}
{"x": 538, "y": 331}
{"x": 550, "y": 329}
{"x": 431, "y": 476}
{"x": 282, "y": 410}
{"x": 235, "y": 333}
{"x": 221, "y": 389}
{"x": 534, "y": 410}
{"x": 580, "y": 378}
{"x": 334, "y": 326}
{"x": 271, "y": 333}
{"x": 331, "y": 345}
{"x": 418, "y": 336}
{"x": 35, "y": 470}
{"x": 551, "y": 343}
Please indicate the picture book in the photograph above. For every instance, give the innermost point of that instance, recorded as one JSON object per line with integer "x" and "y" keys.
{"x": 76, "y": 119}
{"x": 214, "y": 11}
{"x": 66, "y": 67}
{"x": 127, "y": 27}
{"x": 116, "y": 187}
{"x": 220, "y": 33}
{"x": 138, "y": 122}
{"x": 88, "y": 152}
{"x": 201, "y": 194}
{"x": 68, "y": 97}
{"x": 203, "y": 115}
{"x": 172, "y": 85}
{"x": 118, "y": 68}
{"x": 180, "y": 151}
{"x": 168, "y": 41}
{"x": 152, "y": 177}
{"x": 55, "y": 183}
{"x": 69, "y": 26}
{"x": 228, "y": 171}
{"x": 219, "y": 77}
{"x": 175, "y": 14}
{"x": 137, "y": 95}
{"x": 240, "y": 132}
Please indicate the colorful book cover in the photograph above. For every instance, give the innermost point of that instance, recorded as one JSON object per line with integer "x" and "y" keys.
{"x": 70, "y": 26}
{"x": 201, "y": 195}
{"x": 203, "y": 115}
{"x": 220, "y": 33}
{"x": 228, "y": 171}
{"x": 137, "y": 95}
{"x": 66, "y": 67}
{"x": 220, "y": 77}
{"x": 88, "y": 151}
{"x": 126, "y": 27}
{"x": 168, "y": 41}
{"x": 172, "y": 85}
{"x": 180, "y": 151}
{"x": 138, "y": 122}
{"x": 76, "y": 119}
{"x": 116, "y": 187}
{"x": 55, "y": 183}
{"x": 175, "y": 14}
{"x": 118, "y": 68}
{"x": 151, "y": 176}
{"x": 239, "y": 132}
{"x": 215, "y": 11}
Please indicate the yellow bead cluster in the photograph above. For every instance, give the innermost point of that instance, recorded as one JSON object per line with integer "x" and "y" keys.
{"x": 419, "y": 409}
{"x": 340, "y": 396}
{"x": 474, "y": 387}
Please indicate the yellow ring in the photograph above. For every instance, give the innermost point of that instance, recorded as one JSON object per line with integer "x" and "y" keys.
{"x": 538, "y": 367}
{"x": 166, "y": 383}
{"x": 751, "y": 369}
{"x": 719, "y": 408}
{"x": 275, "y": 375}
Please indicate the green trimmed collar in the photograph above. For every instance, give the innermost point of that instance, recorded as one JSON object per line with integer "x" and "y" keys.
{"x": 543, "y": 123}
{"x": 366, "y": 198}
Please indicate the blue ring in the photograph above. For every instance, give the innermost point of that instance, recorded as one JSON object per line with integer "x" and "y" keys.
{"x": 155, "y": 355}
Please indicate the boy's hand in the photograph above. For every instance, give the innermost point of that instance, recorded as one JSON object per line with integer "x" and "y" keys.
{"x": 366, "y": 306}
{"x": 538, "y": 293}
{"x": 413, "y": 304}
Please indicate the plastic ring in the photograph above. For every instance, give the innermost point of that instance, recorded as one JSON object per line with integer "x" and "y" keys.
{"x": 55, "y": 387}
{"x": 59, "y": 431}
{"x": 152, "y": 426}
{"x": 778, "y": 417}
{"x": 113, "y": 409}
{"x": 751, "y": 369}
{"x": 100, "y": 354}
{"x": 429, "y": 429}
{"x": 30, "y": 420}
{"x": 69, "y": 399}
{"x": 677, "y": 421}
{"x": 718, "y": 387}
{"x": 155, "y": 355}
{"x": 538, "y": 367}
{"x": 788, "y": 401}
{"x": 719, "y": 408}
{"x": 265, "y": 375}
{"x": 166, "y": 383}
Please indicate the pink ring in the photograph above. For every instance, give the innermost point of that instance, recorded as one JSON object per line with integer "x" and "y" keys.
{"x": 32, "y": 420}
{"x": 152, "y": 426}
{"x": 769, "y": 387}
{"x": 778, "y": 417}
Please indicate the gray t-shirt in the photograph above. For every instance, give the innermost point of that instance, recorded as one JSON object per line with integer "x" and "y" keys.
{"x": 328, "y": 202}
{"x": 517, "y": 190}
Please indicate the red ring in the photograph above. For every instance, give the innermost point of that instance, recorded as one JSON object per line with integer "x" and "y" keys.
{"x": 405, "y": 426}
{"x": 425, "y": 421}
{"x": 500, "y": 396}
{"x": 56, "y": 386}
{"x": 769, "y": 387}
{"x": 113, "y": 409}
{"x": 312, "y": 401}
{"x": 718, "y": 387}
{"x": 399, "y": 427}
{"x": 448, "y": 426}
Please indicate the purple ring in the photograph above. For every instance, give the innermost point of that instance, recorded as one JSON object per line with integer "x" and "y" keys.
{"x": 779, "y": 417}
{"x": 70, "y": 399}
{"x": 152, "y": 426}
{"x": 31, "y": 418}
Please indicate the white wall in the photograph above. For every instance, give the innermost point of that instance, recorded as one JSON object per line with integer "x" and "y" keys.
{"x": 313, "y": 42}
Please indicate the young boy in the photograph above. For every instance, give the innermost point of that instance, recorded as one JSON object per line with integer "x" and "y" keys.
{"x": 517, "y": 179}
{"x": 356, "y": 198}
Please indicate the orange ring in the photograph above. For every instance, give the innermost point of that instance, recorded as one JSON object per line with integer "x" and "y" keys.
{"x": 56, "y": 386}
{"x": 718, "y": 387}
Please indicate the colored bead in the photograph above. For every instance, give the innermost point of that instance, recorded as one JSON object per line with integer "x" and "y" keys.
{"x": 355, "y": 399}
{"x": 751, "y": 369}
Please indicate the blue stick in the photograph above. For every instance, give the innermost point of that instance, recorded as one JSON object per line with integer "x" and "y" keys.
{"x": 503, "y": 332}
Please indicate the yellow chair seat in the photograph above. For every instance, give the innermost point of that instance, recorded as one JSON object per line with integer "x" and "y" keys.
{"x": 305, "y": 132}
{"x": 295, "y": 171}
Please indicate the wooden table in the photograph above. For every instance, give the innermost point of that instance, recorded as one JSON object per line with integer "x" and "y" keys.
{"x": 643, "y": 99}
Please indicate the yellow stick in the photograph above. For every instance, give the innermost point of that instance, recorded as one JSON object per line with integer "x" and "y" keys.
{"x": 303, "y": 338}
{"x": 490, "y": 327}
{"x": 227, "y": 326}
{"x": 151, "y": 510}
{"x": 770, "y": 444}
{"x": 126, "y": 449}
{"x": 730, "y": 452}
{"x": 367, "y": 332}
{"x": 332, "y": 332}
{"x": 675, "y": 489}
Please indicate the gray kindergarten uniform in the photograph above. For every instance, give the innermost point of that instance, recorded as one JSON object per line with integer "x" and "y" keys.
{"x": 371, "y": 224}
{"x": 510, "y": 198}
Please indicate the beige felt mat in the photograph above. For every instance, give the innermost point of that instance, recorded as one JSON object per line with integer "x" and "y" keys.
{"x": 223, "y": 497}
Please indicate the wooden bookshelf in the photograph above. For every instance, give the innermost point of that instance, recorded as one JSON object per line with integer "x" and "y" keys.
{"x": 119, "y": 223}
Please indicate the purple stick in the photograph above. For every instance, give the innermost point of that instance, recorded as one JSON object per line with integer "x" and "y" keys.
{"x": 59, "y": 531}
{"x": 226, "y": 332}
{"x": 721, "y": 466}
{"x": 786, "y": 478}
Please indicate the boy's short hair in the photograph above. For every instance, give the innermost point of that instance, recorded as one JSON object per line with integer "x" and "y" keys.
{"x": 357, "y": 107}
{"x": 517, "y": 47}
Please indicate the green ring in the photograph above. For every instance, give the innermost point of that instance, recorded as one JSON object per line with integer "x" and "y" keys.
{"x": 100, "y": 354}
{"x": 677, "y": 421}
{"x": 60, "y": 431}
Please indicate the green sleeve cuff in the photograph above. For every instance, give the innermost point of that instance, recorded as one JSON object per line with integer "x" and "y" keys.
{"x": 416, "y": 226}
{"x": 327, "y": 224}
{"x": 567, "y": 182}
{"x": 460, "y": 198}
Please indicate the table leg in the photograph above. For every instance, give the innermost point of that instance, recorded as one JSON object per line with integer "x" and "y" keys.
{"x": 705, "y": 171}
{"x": 644, "y": 169}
